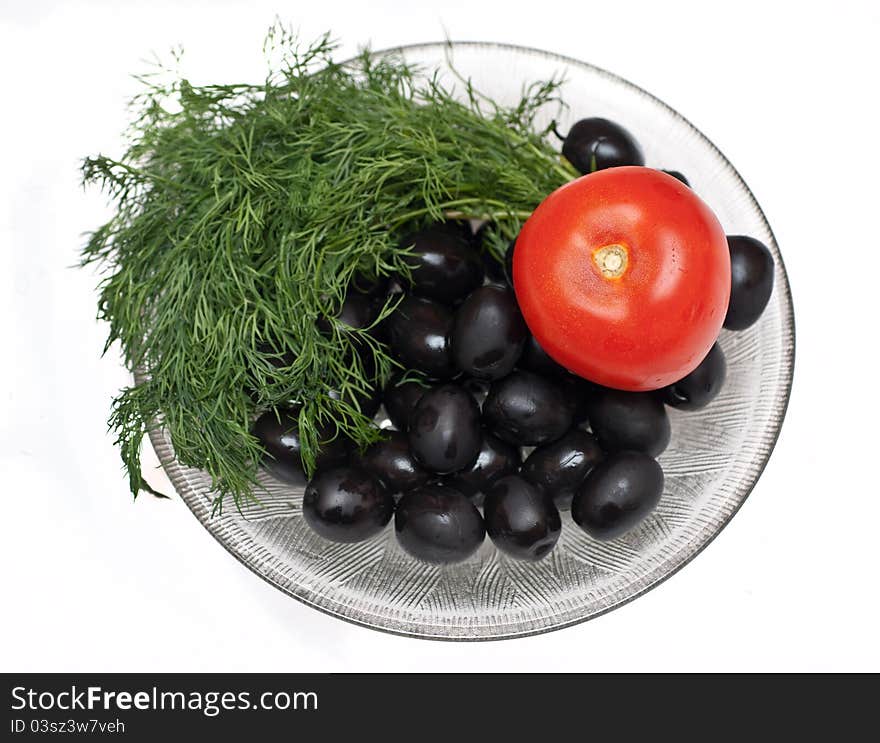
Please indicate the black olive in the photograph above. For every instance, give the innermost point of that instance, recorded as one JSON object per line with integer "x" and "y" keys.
{"x": 375, "y": 287}
{"x": 700, "y": 387}
{"x": 526, "y": 409}
{"x": 496, "y": 459}
{"x": 489, "y": 333}
{"x": 279, "y": 436}
{"x": 346, "y": 504}
{"x": 596, "y": 144}
{"x": 358, "y": 311}
{"x": 559, "y": 468}
{"x": 629, "y": 420}
{"x": 420, "y": 332}
{"x": 521, "y": 520}
{"x": 578, "y": 392}
{"x": 444, "y": 430}
{"x": 334, "y": 447}
{"x": 392, "y": 462}
{"x": 751, "y": 276}
{"x": 400, "y": 400}
{"x": 678, "y": 176}
{"x": 444, "y": 265}
{"x": 536, "y": 359}
{"x": 368, "y": 403}
{"x": 438, "y": 524}
{"x": 460, "y": 228}
{"x": 617, "y": 494}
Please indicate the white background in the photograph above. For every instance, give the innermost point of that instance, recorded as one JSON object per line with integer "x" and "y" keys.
{"x": 94, "y": 581}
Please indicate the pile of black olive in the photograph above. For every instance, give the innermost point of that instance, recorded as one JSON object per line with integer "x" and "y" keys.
{"x": 489, "y": 434}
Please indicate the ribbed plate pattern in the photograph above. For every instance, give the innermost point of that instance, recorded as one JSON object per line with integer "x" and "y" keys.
{"x": 712, "y": 463}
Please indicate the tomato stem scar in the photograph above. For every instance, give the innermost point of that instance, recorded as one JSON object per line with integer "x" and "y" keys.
{"x": 611, "y": 260}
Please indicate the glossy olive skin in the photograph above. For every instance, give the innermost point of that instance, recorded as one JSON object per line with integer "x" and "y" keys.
{"x": 578, "y": 392}
{"x": 279, "y": 436}
{"x": 521, "y": 520}
{"x": 420, "y": 333}
{"x": 438, "y": 524}
{"x": 346, "y": 504}
{"x": 678, "y": 176}
{"x": 629, "y": 420}
{"x": 701, "y": 386}
{"x": 559, "y": 468}
{"x": 495, "y": 459}
{"x": 751, "y": 281}
{"x": 400, "y": 399}
{"x": 358, "y": 311}
{"x": 444, "y": 265}
{"x": 596, "y": 143}
{"x": 391, "y": 461}
{"x": 489, "y": 333}
{"x": 619, "y": 492}
{"x": 457, "y": 227}
{"x": 536, "y": 359}
{"x": 444, "y": 430}
{"x": 527, "y": 410}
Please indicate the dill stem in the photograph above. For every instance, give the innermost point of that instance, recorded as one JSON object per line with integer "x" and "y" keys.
{"x": 521, "y": 215}
{"x": 450, "y": 208}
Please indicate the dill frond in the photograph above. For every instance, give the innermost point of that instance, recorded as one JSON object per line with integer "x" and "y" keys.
{"x": 242, "y": 213}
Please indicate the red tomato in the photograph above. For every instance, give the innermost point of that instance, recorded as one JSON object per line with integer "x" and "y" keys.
{"x": 623, "y": 277}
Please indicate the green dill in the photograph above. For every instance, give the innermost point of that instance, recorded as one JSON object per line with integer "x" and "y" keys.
{"x": 243, "y": 211}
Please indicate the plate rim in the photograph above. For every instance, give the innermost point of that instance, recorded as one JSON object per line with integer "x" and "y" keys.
{"x": 177, "y": 477}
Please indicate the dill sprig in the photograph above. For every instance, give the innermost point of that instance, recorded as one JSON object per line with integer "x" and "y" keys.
{"x": 243, "y": 212}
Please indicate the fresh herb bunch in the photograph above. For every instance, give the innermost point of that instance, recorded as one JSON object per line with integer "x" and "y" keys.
{"x": 242, "y": 214}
